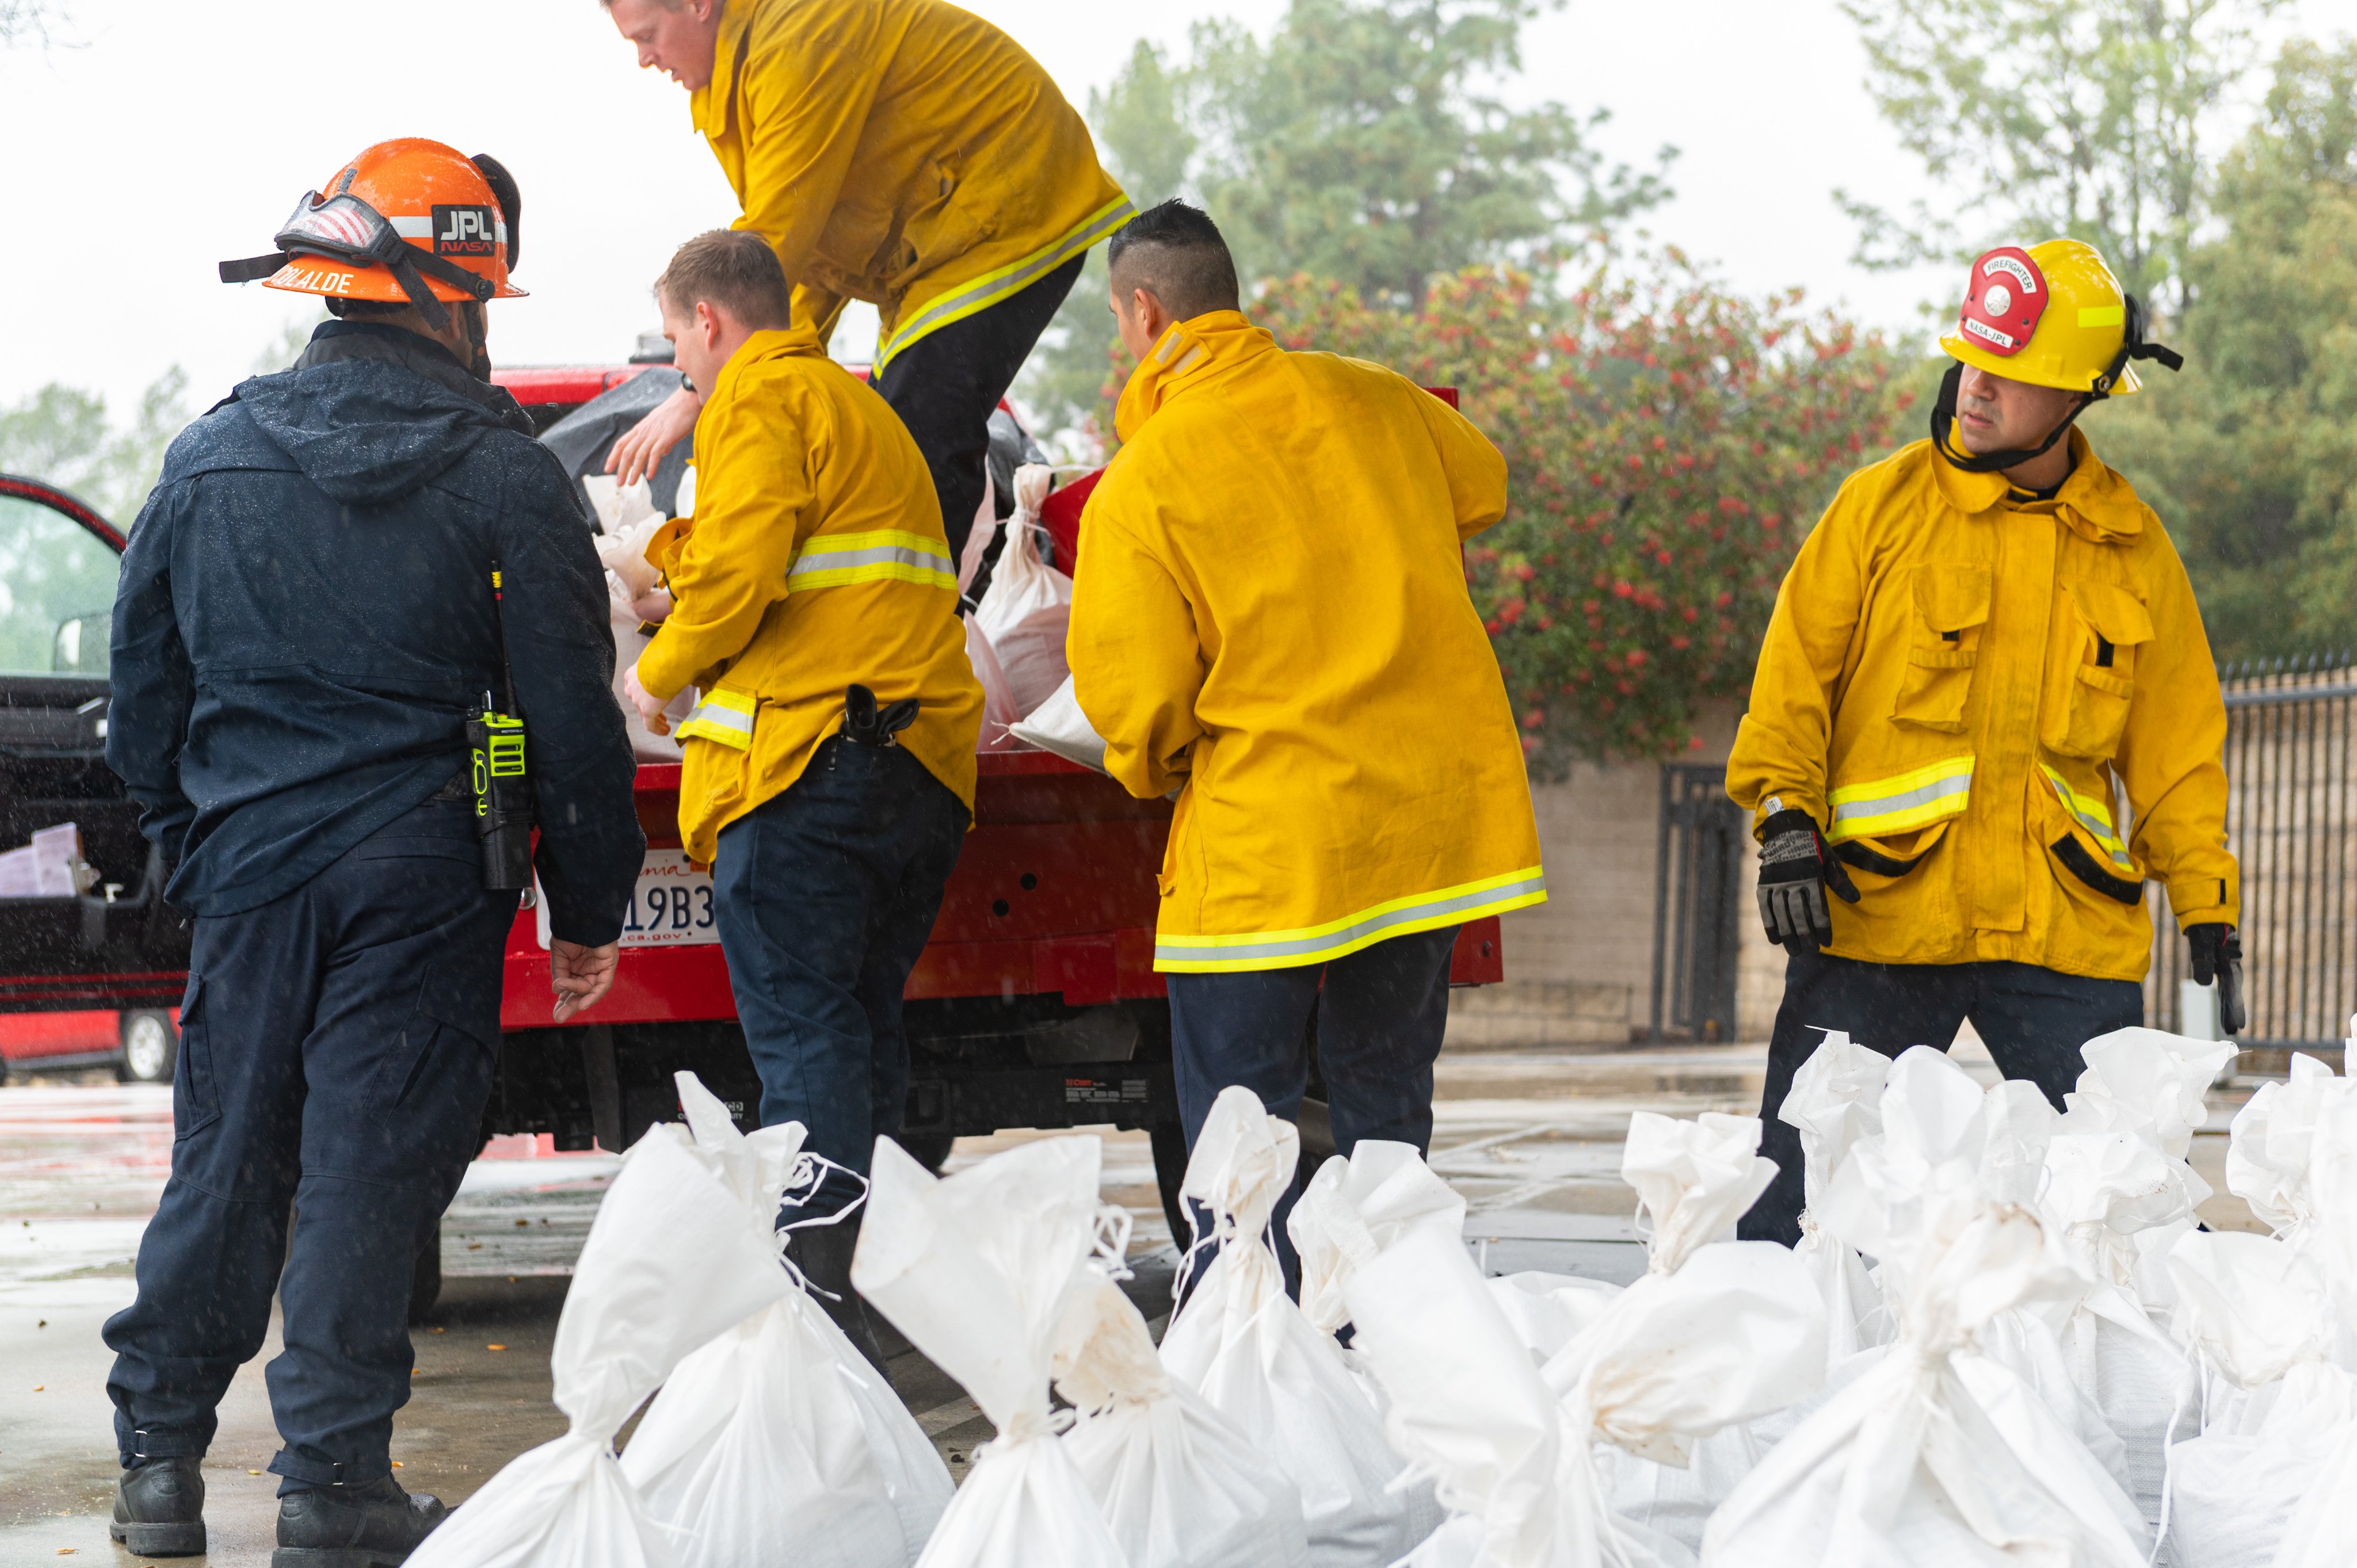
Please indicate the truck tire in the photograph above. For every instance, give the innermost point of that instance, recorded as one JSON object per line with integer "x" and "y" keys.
{"x": 426, "y": 1280}
{"x": 150, "y": 1045}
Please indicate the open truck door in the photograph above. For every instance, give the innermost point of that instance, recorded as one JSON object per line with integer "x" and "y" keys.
{"x": 91, "y": 931}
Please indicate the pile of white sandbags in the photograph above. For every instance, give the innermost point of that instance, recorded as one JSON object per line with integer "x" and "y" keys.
{"x": 1930, "y": 1451}
{"x": 2003, "y": 1340}
{"x": 2271, "y": 1482}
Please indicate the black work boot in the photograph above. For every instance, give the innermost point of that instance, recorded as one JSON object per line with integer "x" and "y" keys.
{"x": 822, "y": 1252}
{"x": 160, "y": 1508}
{"x": 373, "y": 1524}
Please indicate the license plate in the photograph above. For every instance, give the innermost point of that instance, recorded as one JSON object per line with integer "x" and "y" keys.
{"x": 671, "y": 905}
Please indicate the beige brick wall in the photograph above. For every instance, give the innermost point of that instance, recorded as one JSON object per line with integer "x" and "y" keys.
{"x": 1579, "y": 968}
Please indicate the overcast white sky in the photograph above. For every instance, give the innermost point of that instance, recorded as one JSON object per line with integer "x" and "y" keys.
{"x": 173, "y": 135}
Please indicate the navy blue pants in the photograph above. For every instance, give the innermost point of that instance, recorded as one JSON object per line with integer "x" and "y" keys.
{"x": 2033, "y": 1021}
{"x": 1378, "y": 1017}
{"x": 336, "y": 1046}
{"x": 824, "y": 895}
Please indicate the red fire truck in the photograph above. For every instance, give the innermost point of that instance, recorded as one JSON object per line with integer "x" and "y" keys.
{"x": 1035, "y": 1005}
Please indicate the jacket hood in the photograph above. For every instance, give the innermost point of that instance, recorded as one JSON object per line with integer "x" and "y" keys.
{"x": 368, "y": 428}
{"x": 1190, "y": 352}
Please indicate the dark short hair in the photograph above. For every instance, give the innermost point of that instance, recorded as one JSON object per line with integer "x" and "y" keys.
{"x": 734, "y": 269}
{"x": 1175, "y": 252}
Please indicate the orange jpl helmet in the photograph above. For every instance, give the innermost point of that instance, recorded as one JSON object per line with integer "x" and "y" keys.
{"x": 408, "y": 220}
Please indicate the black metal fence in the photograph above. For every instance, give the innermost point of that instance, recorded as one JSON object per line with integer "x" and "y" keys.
{"x": 2291, "y": 770}
{"x": 1698, "y": 899}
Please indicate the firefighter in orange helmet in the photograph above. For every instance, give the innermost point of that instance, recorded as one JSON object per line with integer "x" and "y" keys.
{"x": 306, "y": 615}
{"x": 1986, "y": 648}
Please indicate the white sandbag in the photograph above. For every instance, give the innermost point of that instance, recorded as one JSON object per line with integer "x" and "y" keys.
{"x": 1355, "y": 1206}
{"x": 1466, "y": 1405}
{"x": 1027, "y": 607}
{"x": 999, "y": 710}
{"x": 978, "y": 537}
{"x": 1546, "y": 1311}
{"x": 2267, "y": 1148}
{"x": 1179, "y": 1486}
{"x": 1735, "y": 1331}
{"x": 1694, "y": 1180}
{"x": 2104, "y": 1186}
{"x": 672, "y": 1261}
{"x": 1835, "y": 1101}
{"x": 1058, "y": 725}
{"x": 632, "y": 601}
{"x": 1350, "y": 1210}
{"x": 973, "y": 1269}
{"x": 1241, "y": 1342}
{"x": 1906, "y": 1463}
{"x": 2262, "y": 1314}
{"x": 778, "y": 1436}
{"x": 2152, "y": 1081}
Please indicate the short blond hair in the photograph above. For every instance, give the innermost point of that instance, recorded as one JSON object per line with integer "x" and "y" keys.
{"x": 734, "y": 269}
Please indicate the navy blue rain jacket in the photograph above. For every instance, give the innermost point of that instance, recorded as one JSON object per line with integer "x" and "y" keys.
{"x": 304, "y": 618}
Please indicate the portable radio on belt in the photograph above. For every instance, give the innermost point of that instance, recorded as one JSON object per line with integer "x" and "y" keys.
{"x": 503, "y": 776}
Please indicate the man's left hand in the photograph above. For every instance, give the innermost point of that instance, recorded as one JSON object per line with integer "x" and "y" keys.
{"x": 649, "y": 708}
{"x": 580, "y": 976}
{"x": 2217, "y": 955}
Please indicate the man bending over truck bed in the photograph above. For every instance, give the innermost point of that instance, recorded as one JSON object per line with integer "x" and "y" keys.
{"x": 902, "y": 152}
{"x": 1270, "y": 617}
{"x": 828, "y": 777}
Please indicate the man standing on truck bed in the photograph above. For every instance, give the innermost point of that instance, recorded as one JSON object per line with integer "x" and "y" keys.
{"x": 902, "y": 152}
{"x": 1984, "y": 648}
{"x": 306, "y": 615}
{"x": 1270, "y": 619}
{"x": 829, "y": 773}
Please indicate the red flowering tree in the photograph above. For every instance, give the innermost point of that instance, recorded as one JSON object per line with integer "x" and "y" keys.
{"x": 1668, "y": 445}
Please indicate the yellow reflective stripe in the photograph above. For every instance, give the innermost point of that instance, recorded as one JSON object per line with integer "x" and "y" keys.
{"x": 1318, "y": 944}
{"x": 1905, "y": 800}
{"x": 722, "y": 717}
{"x": 2093, "y": 815}
{"x": 887, "y": 555}
{"x": 987, "y": 290}
{"x": 2103, "y": 316}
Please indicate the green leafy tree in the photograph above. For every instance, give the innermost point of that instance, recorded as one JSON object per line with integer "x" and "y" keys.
{"x": 61, "y": 435}
{"x": 2250, "y": 454}
{"x": 1142, "y": 136}
{"x": 2055, "y": 117}
{"x": 1668, "y": 445}
{"x": 1366, "y": 142}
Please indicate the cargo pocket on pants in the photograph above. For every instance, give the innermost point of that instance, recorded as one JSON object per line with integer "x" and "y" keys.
{"x": 195, "y": 1096}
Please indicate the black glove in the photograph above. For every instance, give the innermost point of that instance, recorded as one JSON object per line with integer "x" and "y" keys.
{"x": 2218, "y": 956}
{"x": 1796, "y": 867}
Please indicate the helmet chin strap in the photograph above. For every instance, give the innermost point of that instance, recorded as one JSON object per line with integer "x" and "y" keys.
{"x": 479, "y": 363}
{"x": 1944, "y": 419}
{"x": 2132, "y": 347}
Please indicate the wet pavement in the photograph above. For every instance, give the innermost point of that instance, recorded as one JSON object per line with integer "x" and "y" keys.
{"x": 1531, "y": 1139}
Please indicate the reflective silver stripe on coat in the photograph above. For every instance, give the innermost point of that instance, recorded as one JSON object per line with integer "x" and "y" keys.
{"x": 817, "y": 560}
{"x": 1905, "y": 800}
{"x": 1180, "y": 950}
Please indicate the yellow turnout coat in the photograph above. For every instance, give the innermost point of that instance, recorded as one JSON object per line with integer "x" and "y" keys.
{"x": 902, "y": 152}
{"x": 1961, "y": 685}
{"x": 816, "y": 559}
{"x": 1270, "y": 615}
